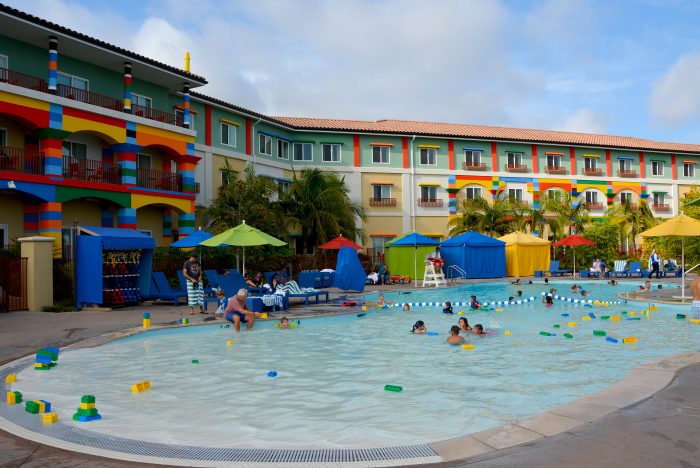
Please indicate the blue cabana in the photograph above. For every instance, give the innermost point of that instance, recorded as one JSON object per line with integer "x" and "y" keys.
{"x": 478, "y": 255}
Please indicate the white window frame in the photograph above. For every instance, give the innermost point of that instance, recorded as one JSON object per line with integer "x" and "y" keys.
{"x": 382, "y": 194}
{"x": 229, "y": 132}
{"x": 264, "y": 142}
{"x": 476, "y": 192}
{"x": 383, "y": 151}
{"x": 555, "y": 160}
{"x": 624, "y": 165}
{"x": 659, "y": 198}
{"x": 515, "y": 194}
{"x": 473, "y": 156}
{"x": 688, "y": 170}
{"x": 333, "y": 155}
{"x": 303, "y": 153}
{"x": 148, "y": 101}
{"x": 378, "y": 247}
{"x": 71, "y": 151}
{"x": 282, "y": 149}
{"x": 74, "y": 77}
{"x": 7, "y": 64}
{"x": 516, "y": 157}
{"x": 591, "y": 196}
{"x": 555, "y": 194}
{"x": 590, "y": 163}
{"x": 430, "y": 153}
{"x": 625, "y": 195}
{"x": 657, "y": 168}
{"x": 428, "y": 189}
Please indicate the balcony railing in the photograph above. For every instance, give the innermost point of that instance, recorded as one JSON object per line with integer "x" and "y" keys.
{"x": 158, "y": 115}
{"x": 632, "y": 206}
{"x": 595, "y": 206}
{"x": 473, "y": 166}
{"x": 88, "y": 97}
{"x": 592, "y": 172}
{"x": 21, "y": 160}
{"x": 91, "y": 170}
{"x": 158, "y": 180}
{"x": 430, "y": 202}
{"x": 516, "y": 168}
{"x": 629, "y": 173}
{"x": 554, "y": 170}
{"x": 382, "y": 202}
{"x": 661, "y": 206}
{"x": 20, "y": 79}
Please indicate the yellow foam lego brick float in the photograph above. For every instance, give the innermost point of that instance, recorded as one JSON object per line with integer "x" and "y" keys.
{"x": 263, "y": 316}
{"x": 13, "y": 398}
{"x": 461, "y": 312}
{"x": 615, "y": 318}
{"x": 586, "y": 318}
{"x": 49, "y": 418}
{"x": 654, "y": 308}
{"x": 364, "y": 307}
{"x": 88, "y": 405}
{"x": 499, "y": 309}
{"x": 507, "y": 332}
{"x": 596, "y": 302}
{"x": 629, "y": 340}
{"x": 229, "y": 342}
{"x": 572, "y": 324}
{"x": 136, "y": 388}
{"x": 632, "y": 314}
{"x": 467, "y": 346}
{"x": 694, "y": 320}
{"x": 11, "y": 378}
{"x": 146, "y": 323}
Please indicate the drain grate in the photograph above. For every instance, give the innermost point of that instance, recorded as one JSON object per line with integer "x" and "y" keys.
{"x": 66, "y": 433}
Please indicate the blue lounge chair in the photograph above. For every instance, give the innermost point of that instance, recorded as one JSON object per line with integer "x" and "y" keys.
{"x": 212, "y": 278}
{"x": 293, "y": 290}
{"x": 636, "y": 270}
{"x": 555, "y": 271}
{"x": 619, "y": 269}
{"x": 160, "y": 289}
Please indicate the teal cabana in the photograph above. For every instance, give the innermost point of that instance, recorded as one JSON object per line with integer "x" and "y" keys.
{"x": 405, "y": 255}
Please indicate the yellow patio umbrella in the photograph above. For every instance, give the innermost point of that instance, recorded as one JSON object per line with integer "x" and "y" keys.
{"x": 682, "y": 226}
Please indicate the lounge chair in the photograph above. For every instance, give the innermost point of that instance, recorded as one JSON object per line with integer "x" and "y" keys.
{"x": 636, "y": 270}
{"x": 555, "y": 271}
{"x": 293, "y": 290}
{"x": 212, "y": 278}
{"x": 619, "y": 269}
{"x": 160, "y": 289}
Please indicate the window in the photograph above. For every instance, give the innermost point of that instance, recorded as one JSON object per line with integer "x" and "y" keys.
{"x": 228, "y": 134}
{"x": 282, "y": 149}
{"x": 72, "y": 81}
{"x": 143, "y": 161}
{"x": 282, "y": 188}
{"x": 4, "y": 62}
{"x": 303, "y": 151}
{"x": 591, "y": 197}
{"x": 378, "y": 246}
{"x": 227, "y": 177}
{"x": 625, "y": 197}
{"x": 428, "y": 193}
{"x": 657, "y": 168}
{"x": 473, "y": 192}
{"x": 72, "y": 149}
{"x": 265, "y": 144}
{"x": 472, "y": 157}
{"x": 554, "y": 160}
{"x": 625, "y": 165}
{"x": 590, "y": 163}
{"x": 515, "y": 159}
{"x": 515, "y": 194}
{"x": 140, "y": 100}
{"x": 180, "y": 116}
{"x": 303, "y": 248}
{"x": 330, "y": 152}
{"x": 659, "y": 198}
{"x": 554, "y": 194}
{"x": 428, "y": 156}
{"x": 3, "y": 137}
{"x": 4, "y": 234}
{"x": 381, "y": 191}
{"x": 688, "y": 170}
{"x": 380, "y": 154}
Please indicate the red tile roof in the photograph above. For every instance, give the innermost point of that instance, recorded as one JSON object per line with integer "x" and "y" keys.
{"x": 407, "y": 127}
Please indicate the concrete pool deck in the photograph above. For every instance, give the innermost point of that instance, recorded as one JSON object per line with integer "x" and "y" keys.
{"x": 660, "y": 430}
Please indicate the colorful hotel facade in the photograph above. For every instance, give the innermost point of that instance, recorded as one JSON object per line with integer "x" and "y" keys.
{"x": 101, "y": 136}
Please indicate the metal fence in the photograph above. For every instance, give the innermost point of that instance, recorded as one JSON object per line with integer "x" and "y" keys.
{"x": 13, "y": 283}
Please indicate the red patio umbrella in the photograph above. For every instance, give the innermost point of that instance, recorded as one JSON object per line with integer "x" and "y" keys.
{"x": 572, "y": 241}
{"x": 338, "y": 242}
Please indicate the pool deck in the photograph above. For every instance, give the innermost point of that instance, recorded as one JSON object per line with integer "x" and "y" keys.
{"x": 651, "y": 420}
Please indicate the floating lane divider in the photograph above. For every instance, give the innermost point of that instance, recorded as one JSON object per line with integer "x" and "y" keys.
{"x": 588, "y": 302}
{"x": 464, "y": 304}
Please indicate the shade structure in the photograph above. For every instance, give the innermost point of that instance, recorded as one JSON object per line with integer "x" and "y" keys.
{"x": 405, "y": 255}
{"x": 349, "y": 274}
{"x": 572, "y": 241}
{"x": 479, "y": 256}
{"x": 682, "y": 226}
{"x": 338, "y": 242}
{"x": 244, "y": 236}
{"x": 525, "y": 253}
{"x": 193, "y": 240}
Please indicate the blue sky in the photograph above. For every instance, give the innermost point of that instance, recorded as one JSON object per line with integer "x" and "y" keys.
{"x": 618, "y": 67}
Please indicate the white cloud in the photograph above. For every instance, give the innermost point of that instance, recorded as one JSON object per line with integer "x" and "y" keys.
{"x": 675, "y": 97}
{"x": 586, "y": 121}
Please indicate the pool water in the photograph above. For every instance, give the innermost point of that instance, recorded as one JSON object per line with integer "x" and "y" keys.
{"x": 329, "y": 391}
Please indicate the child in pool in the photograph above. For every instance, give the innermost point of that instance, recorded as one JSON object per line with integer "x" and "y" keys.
{"x": 519, "y": 294}
{"x": 406, "y": 307}
{"x": 381, "y": 303}
{"x": 548, "y": 301}
{"x": 454, "y": 337}
{"x": 584, "y": 293}
{"x": 511, "y": 299}
{"x": 473, "y": 303}
{"x": 478, "y": 329}
{"x": 448, "y": 308}
{"x": 419, "y": 328}
{"x": 463, "y": 324}
{"x": 284, "y": 322}
{"x": 574, "y": 288}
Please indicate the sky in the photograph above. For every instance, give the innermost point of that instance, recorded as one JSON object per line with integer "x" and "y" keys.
{"x": 618, "y": 67}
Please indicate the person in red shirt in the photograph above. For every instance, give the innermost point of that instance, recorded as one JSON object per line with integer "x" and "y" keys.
{"x": 237, "y": 313}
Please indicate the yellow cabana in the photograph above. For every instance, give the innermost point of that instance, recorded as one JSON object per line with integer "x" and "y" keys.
{"x": 525, "y": 254}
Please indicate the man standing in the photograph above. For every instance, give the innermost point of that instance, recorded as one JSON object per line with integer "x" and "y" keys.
{"x": 695, "y": 289}
{"x": 654, "y": 261}
{"x": 192, "y": 271}
{"x": 237, "y": 313}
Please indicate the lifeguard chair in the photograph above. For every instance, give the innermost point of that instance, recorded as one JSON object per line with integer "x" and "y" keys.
{"x": 431, "y": 278}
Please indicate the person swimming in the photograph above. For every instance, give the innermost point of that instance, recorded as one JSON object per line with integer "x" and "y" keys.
{"x": 511, "y": 298}
{"x": 519, "y": 294}
{"x": 406, "y": 307}
{"x": 473, "y": 303}
{"x": 463, "y": 324}
{"x": 448, "y": 308}
{"x": 454, "y": 337}
{"x": 575, "y": 288}
{"x": 419, "y": 328}
{"x": 517, "y": 281}
{"x": 546, "y": 281}
{"x": 284, "y": 322}
{"x": 478, "y": 329}
{"x": 548, "y": 301}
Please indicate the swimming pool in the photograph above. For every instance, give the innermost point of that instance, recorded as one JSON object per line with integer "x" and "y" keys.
{"x": 329, "y": 391}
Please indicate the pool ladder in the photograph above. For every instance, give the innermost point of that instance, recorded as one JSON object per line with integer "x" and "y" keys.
{"x": 452, "y": 269}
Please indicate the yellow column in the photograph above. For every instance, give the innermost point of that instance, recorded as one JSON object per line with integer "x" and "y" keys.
{"x": 39, "y": 253}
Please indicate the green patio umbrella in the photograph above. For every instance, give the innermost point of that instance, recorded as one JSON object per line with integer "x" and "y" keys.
{"x": 244, "y": 236}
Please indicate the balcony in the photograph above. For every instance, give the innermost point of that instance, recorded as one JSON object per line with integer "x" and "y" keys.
{"x": 661, "y": 206}
{"x": 21, "y": 160}
{"x": 473, "y": 166}
{"x": 91, "y": 170}
{"x": 592, "y": 171}
{"x": 555, "y": 170}
{"x": 158, "y": 180}
{"x": 382, "y": 202}
{"x": 87, "y": 97}
{"x": 597, "y": 206}
{"x": 631, "y": 206}
{"x": 516, "y": 168}
{"x": 627, "y": 173}
{"x": 430, "y": 202}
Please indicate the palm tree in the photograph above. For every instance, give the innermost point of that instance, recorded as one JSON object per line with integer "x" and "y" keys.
{"x": 318, "y": 203}
{"x": 631, "y": 221}
{"x": 476, "y": 214}
{"x": 564, "y": 214}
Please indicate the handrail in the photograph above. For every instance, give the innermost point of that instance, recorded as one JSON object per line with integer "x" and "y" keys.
{"x": 458, "y": 269}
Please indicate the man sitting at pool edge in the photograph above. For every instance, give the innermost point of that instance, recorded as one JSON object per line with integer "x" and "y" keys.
{"x": 237, "y": 313}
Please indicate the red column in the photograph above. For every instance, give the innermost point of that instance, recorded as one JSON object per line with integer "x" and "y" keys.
{"x": 608, "y": 163}
{"x": 674, "y": 174}
{"x": 642, "y": 171}
{"x": 356, "y": 149}
{"x": 248, "y": 137}
{"x": 572, "y": 158}
{"x": 207, "y": 124}
{"x": 404, "y": 151}
{"x": 534, "y": 159}
{"x": 451, "y": 154}
{"x": 494, "y": 156}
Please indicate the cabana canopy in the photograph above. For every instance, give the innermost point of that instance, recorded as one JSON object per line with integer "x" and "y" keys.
{"x": 525, "y": 253}
{"x": 478, "y": 255}
{"x": 405, "y": 255}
